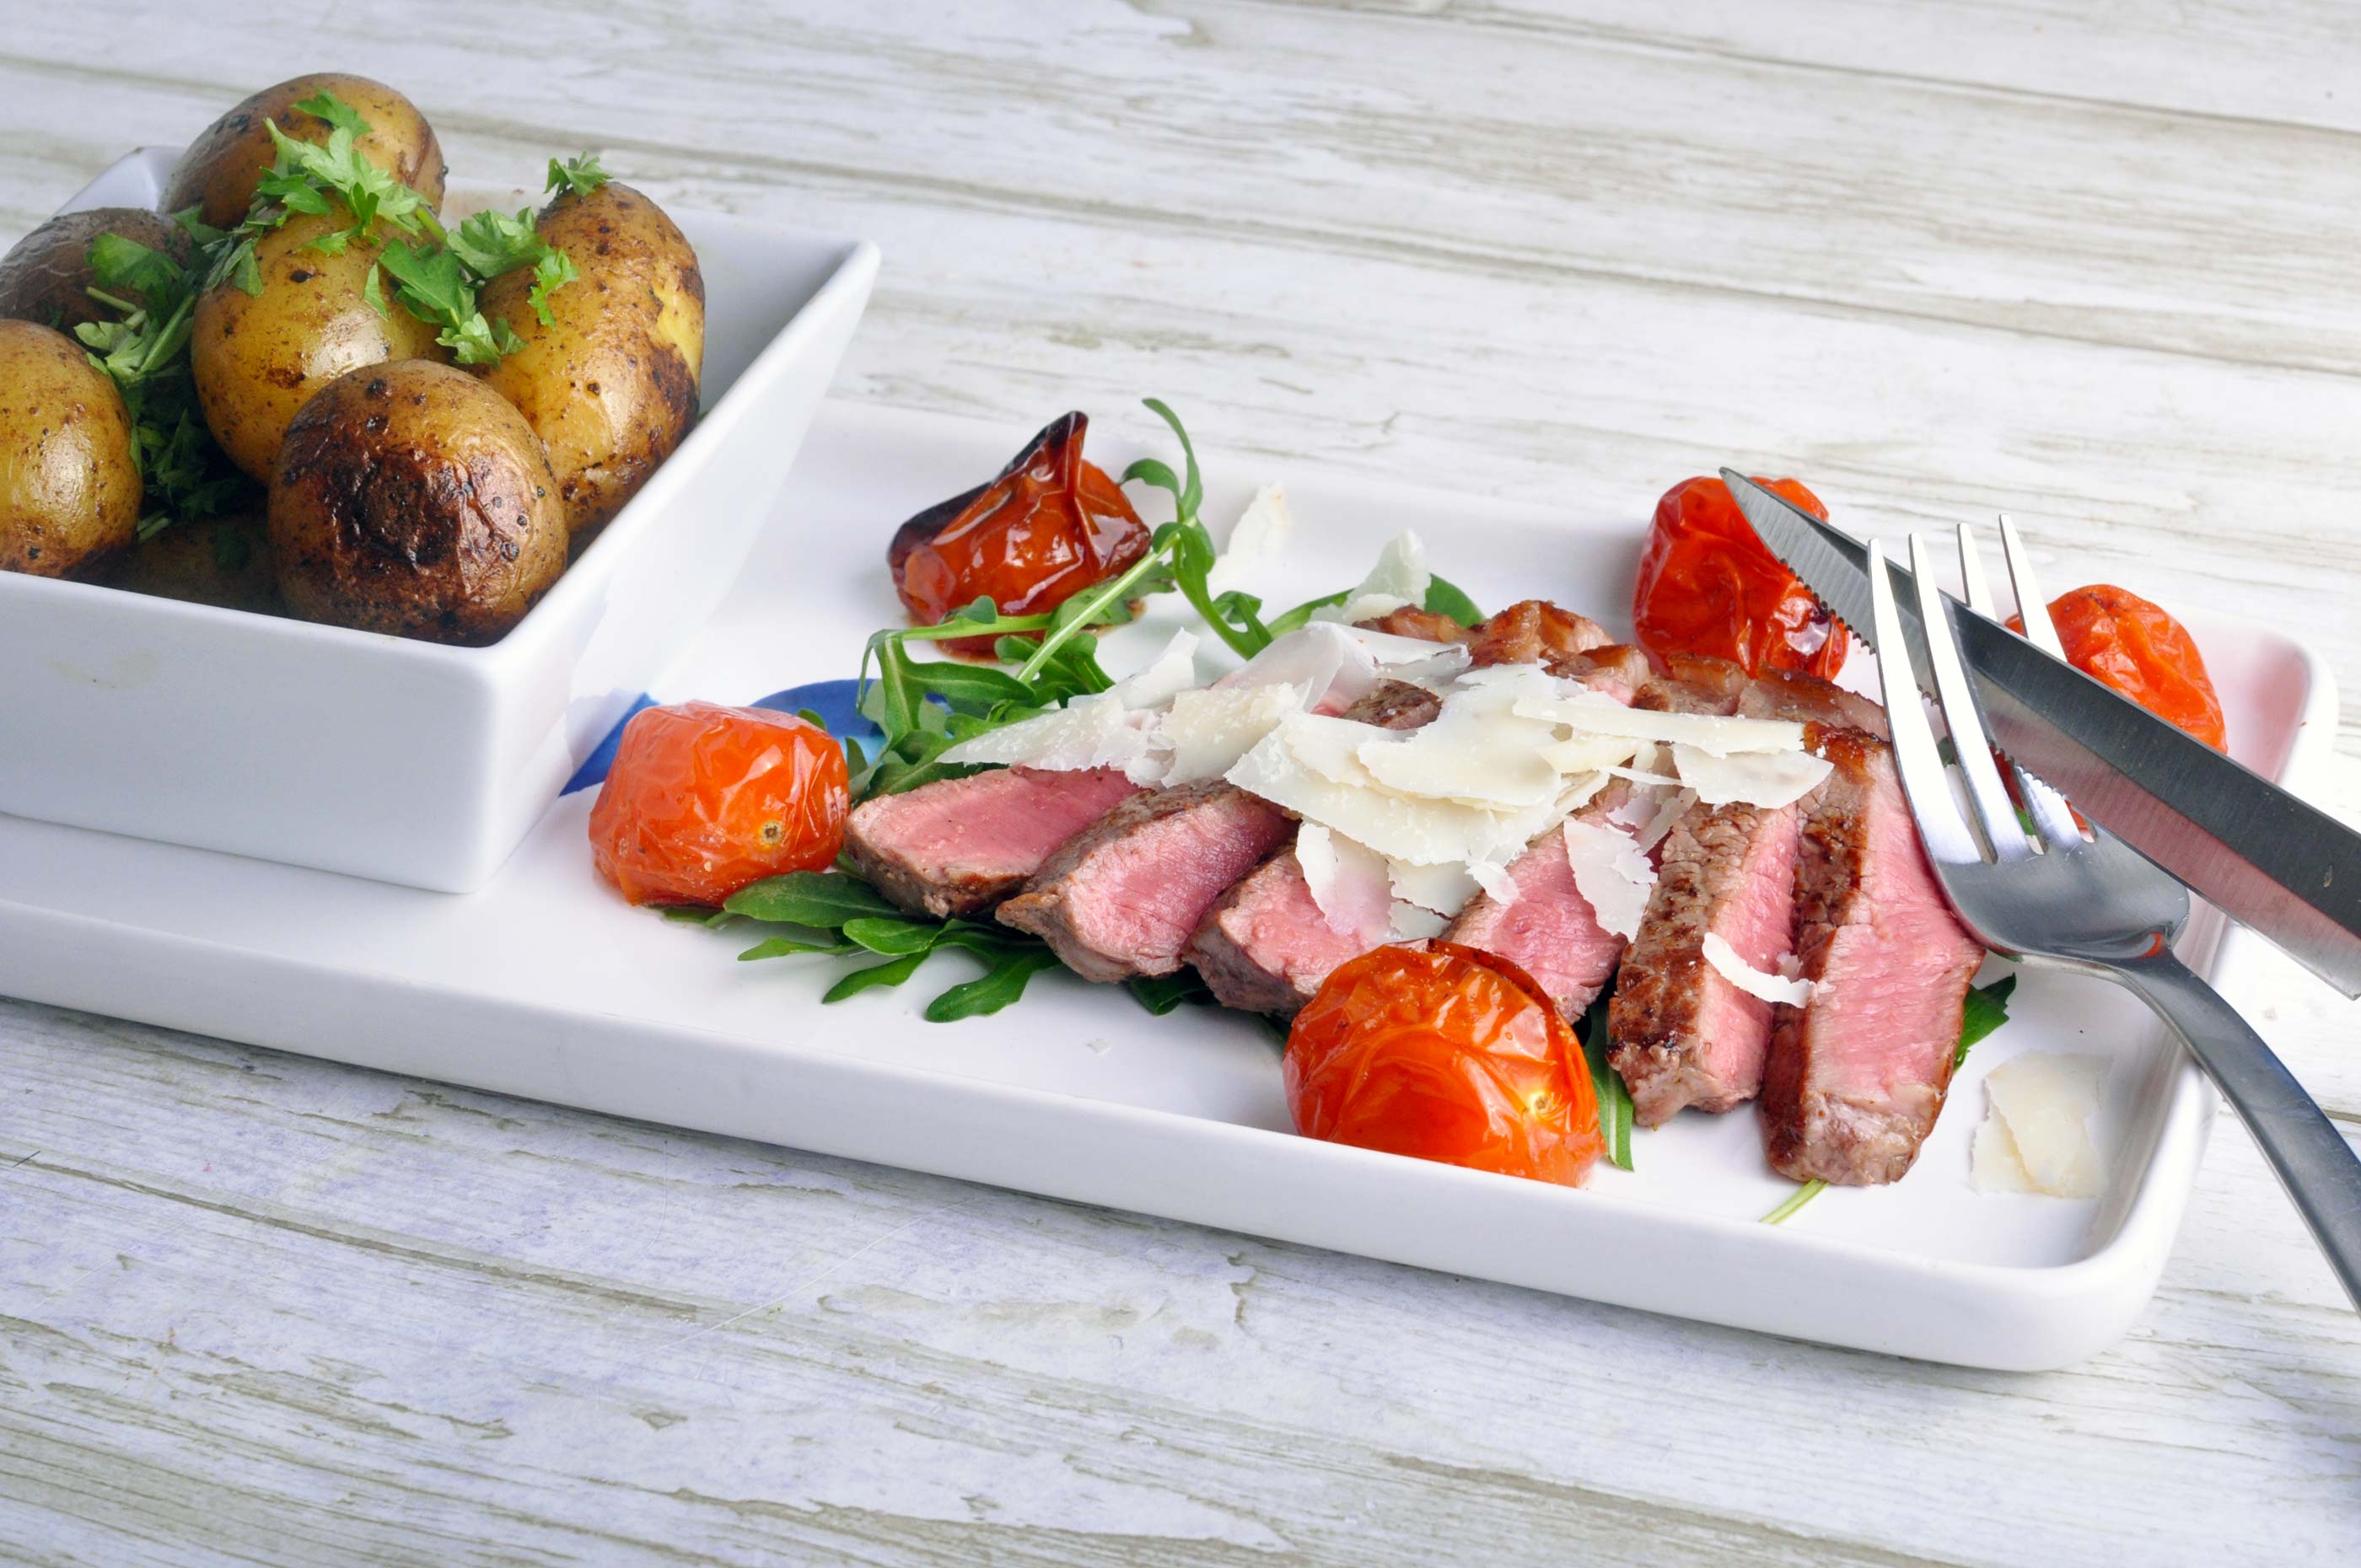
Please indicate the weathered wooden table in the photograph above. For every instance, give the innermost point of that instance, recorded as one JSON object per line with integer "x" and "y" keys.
{"x": 1942, "y": 259}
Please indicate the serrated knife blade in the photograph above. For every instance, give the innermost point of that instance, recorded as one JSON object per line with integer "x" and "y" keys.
{"x": 2268, "y": 860}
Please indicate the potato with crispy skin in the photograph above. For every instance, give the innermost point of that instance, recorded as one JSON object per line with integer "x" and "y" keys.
{"x": 411, "y": 498}
{"x": 223, "y": 560}
{"x": 610, "y": 385}
{"x": 257, "y": 357}
{"x": 69, "y": 486}
{"x": 46, "y": 277}
{"x": 222, "y": 166}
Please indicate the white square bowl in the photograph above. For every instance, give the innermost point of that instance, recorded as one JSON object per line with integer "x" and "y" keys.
{"x": 404, "y": 760}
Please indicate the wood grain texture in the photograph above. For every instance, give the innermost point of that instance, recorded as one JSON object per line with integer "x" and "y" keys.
{"x": 2090, "y": 266}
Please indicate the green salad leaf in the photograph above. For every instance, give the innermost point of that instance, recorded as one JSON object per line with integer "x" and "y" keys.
{"x": 576, "y": 176}
{"x": 1614, "y": 1099}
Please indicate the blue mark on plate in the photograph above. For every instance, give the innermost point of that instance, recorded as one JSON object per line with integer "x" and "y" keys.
{"x": 832, "y": 700}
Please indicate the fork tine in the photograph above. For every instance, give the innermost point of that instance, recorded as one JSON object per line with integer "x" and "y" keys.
{"x": 2050, "y": 813}
{"x": 1924, "y": 781}
{"x": 1978, "y": 592}
{"x": 1964, "y": 717}
{"x": 2039, "y": 629}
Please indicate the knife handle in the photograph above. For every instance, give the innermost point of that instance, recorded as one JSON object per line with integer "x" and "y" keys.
{"x": 2312, "y": 1160}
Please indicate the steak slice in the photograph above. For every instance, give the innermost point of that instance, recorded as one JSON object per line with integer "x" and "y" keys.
{"x": 960, "y": 846}
{"x": 1857, "y": 1076}
{"x": 1121, "y": 897}
{"x": 1530, "y": 631}
{"x": 1549, "y": 929}
{"x": 1681, "y": 1034}
{"x": 1617, "y": 669}
{"x": 1789, "y": 694}
{"x": 1265, "y": 946}
{"x": 1693, "y": 683}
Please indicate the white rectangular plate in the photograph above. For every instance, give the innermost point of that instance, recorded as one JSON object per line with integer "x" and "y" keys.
{"x": 544, "y": 984}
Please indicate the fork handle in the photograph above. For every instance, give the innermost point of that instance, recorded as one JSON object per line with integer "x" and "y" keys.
{"x": 2313, "y": 1161}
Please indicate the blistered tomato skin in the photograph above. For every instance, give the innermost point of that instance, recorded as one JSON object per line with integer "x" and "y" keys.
{"x": 1707, "y": 585}
{"x": 2121, "y": 640}
{"x": 703, "y": 800}
{"x": 1440, "y": 1052}
{"x": 1049, "y": 526}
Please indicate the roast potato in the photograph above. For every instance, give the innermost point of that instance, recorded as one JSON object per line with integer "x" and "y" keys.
{"x": 46, "y": 276}
{"x": 257, "y": 357}
{"x": 69, "y": 486}
{"x": 611, "y": 387}
{"x": 218, "y": 173}
{"x": 411, "y": 498}
{"x": 210, "y": 559}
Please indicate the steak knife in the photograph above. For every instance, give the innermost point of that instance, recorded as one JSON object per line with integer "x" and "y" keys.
{"x": 2266, "y": 859}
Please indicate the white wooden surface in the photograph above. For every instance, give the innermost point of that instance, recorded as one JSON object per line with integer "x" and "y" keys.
{"x": 2093, "y": 265}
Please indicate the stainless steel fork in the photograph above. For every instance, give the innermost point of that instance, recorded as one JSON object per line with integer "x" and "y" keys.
{"x": 2056, "y": 896}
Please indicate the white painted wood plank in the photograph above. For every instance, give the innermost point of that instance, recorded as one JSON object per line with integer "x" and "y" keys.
{"x": 2088, "y": 265}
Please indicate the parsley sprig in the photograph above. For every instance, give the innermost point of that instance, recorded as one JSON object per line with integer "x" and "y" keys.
{"x": 437, "y": 273}
{"x": 145, "y": 352}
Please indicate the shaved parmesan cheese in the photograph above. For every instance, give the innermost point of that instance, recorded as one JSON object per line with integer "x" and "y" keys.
{"x": 1474, "y": 751}
{"x": 1171, "y": 672}
{"x": 1335, "y": 666}
{"x": 1440, "y": 890}
{"x": 1207, "y": 732}
{"x": 1399, "y": 579}
{"x": 1096, "y": 732}
{"x": 1495, "y": 880}
{"x": 1612, "y": 875}
{"x": 1257, "y": 538}
{"x": 1588, "y": 753}
{"x": 1347, "y": 880}
{"x": 1670, "y": 807}
{"x": 1425, "y": 832}
{"x": 1411, "y": 923}
{"x": 1765, "y": 779}
{"x": 1750, "y": 980}
{"x": 2045, "y": 1100}
{"x": 1593, "y": 713}
{"x": 1994, "y": 1164}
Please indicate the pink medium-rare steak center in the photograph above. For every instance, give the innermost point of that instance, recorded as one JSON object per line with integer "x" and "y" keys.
{"x": 1857, "y": 1076}
{"x": 960, "y": 846}
{"x": 1121, "y": 898}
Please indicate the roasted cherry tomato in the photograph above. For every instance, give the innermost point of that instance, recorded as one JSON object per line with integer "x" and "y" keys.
{"x": 703, "y": 800}
{"x": 1708, "y": 585}
{"x": 2114, "y": 636}
{"x": 1444, "y": 1053}
{"x": 1049, "y": 526}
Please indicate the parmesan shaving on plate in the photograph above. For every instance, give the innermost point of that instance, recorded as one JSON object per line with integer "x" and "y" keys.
{"x": 2036, "y": 1136}
{"x": 1347, "y": 881}
{"x": 1474, "y": 750}
{"x": 1170, "y": 674}
{"x": 1750, "y": 980}
{"x": 1207, "y": 730}
{"x": 1594, "y": 713}
{"x": 1096, "y": 732}
{"x": 1611, "y": 874}
{"x": 1257, "y": 538}
{"x": 1411, "y": 923}
{"x": 1337, "y": 665}
{"x": 1765, "y": 779}
{"x": 1398, "y": 580}
{"x": 1442, "y": 891}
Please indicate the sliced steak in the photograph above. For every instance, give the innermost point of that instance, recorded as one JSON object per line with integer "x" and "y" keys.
{"x": 1423, "y": 624}
{"x": 960, "y": 846}
{"x": 1856, "y": 1077}
{"x": 1265, "y": 946}
{"x": 1788, "y": 694}
{"x": 1681, "y": 1034}
{"x": 1122, "y": 896}
{"x": 1549, "y": 929}
{"x": 1694, "y": 684}
{"x": 1617, "y": 669}
{"x": 1395, "y": 704}
{"x": 1531, "y": 630}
